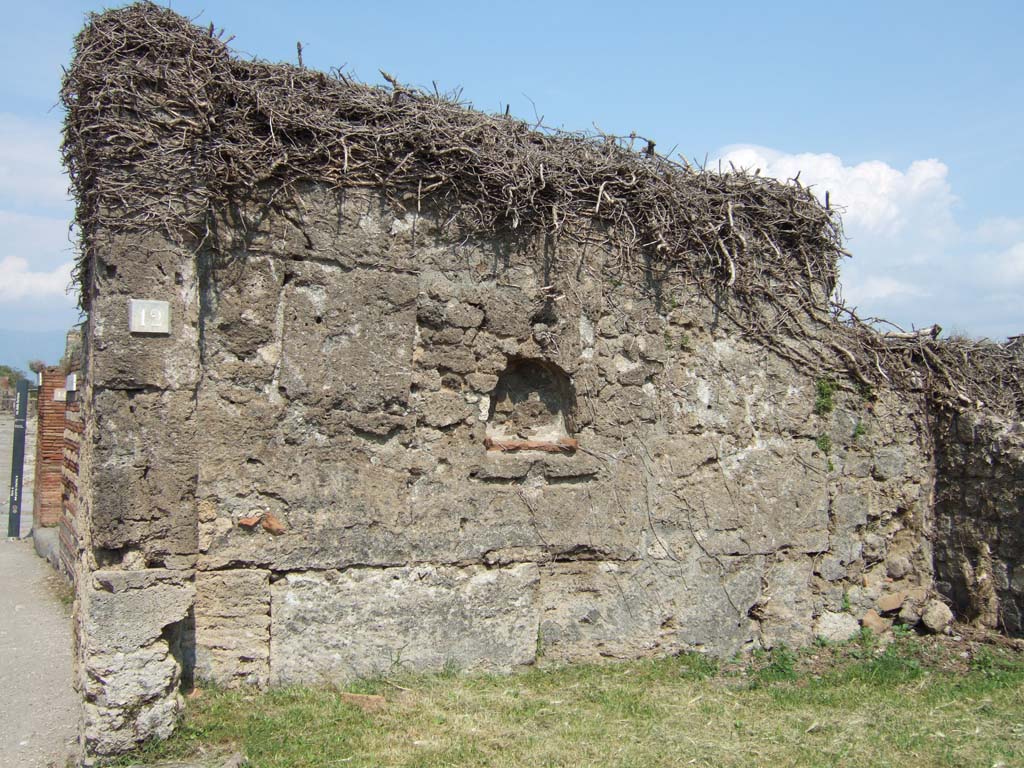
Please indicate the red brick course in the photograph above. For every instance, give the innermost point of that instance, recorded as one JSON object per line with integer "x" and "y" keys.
{"x": 49, "y": 483}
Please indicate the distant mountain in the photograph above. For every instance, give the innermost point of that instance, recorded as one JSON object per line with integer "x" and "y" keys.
{"x": 17, "y": 348}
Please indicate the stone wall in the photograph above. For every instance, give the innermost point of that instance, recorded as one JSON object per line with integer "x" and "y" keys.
{"x": 70, "y": 522}
{"x": 979, "y": 512}
{"x": 369, "y": 442}
{"x": 135, "y": 514}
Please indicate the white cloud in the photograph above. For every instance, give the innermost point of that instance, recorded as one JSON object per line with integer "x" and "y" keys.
{"x": 878, "y": 199}
{"x": 872, "y": 288}
{"x": 35, "y": 265}
{"x": 43, "y": 240}
{"x": 31, "y": 175}
{"x": 1008, "y": 267}
{"x": 1000, "y": 230}
{"x": 18, "y": 281}
{"x": 913, "y": 263}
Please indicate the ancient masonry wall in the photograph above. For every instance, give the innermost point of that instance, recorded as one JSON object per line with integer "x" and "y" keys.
{"x": 368, "y": 442}
{"x": 50, "y": 449}
{"x": 979, "y": 513}
{"x": 69, "y": 533}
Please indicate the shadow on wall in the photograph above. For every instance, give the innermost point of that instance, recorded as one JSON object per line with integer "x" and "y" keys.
{"x": 533, "y": 400}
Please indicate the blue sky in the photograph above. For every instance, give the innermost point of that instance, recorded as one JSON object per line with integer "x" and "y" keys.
{"x": 909, "y": 113}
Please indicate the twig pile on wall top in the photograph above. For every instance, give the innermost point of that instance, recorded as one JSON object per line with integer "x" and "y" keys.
{"x": 165, "y": 127}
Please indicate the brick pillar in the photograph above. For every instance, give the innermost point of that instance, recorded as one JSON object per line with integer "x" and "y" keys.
{"x": 49, "y": 483}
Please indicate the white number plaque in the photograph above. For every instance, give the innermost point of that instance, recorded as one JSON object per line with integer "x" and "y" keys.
{"x": 149, "y": 316}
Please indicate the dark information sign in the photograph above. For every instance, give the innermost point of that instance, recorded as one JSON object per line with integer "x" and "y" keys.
{"x": 18, "y": 459}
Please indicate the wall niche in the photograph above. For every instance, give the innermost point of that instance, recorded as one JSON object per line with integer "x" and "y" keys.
{"x": 532, "y": 408}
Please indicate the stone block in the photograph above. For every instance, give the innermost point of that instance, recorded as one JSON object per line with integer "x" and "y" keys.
{"x": 507, "y": 312}
{"x": 594, "y": 610}
{"x": 871, "y": 620}
{"x": 232, "y": 627}
{"x": 363, "y": 339}
{"x": 143, "y": 266}
{"x": 888, "y": 463}
{"x": 342, "y": 625}
{"x": 129, "y": 653}
{"x": 890, "y": 602}
{"x": 836, "y": 627}
{"x": 936, "y": 616}
{"x": 444, "y": 408}
{"x": 755, "y": 501}
{"x": 152, "y": 598}
{"x": 785, "y": 609}
{"x": 143, "y": 472}
{"x": 851, "y": 510}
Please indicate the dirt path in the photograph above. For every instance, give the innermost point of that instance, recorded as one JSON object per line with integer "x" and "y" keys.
{"x": 38, "y": 709}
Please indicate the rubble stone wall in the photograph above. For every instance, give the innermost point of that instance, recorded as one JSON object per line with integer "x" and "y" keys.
{"x": 135, "y": 513}
{"x": 979, "y": 512}
{"x": 370, "y": 442}
{"x": 70, "y": 523}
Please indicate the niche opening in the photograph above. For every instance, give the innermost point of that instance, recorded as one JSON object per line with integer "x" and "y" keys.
{"x": 531, "y": 409}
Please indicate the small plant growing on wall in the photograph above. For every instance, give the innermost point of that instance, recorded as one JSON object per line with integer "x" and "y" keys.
{"x": 824, "y": 396}
{"x": 866, "y": 392}
{"x": 824, "y": 443}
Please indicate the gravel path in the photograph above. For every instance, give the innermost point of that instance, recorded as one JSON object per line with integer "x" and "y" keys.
{"x": 38, "y": 709}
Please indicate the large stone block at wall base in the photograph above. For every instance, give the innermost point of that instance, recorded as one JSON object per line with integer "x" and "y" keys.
{"x": 233, "y": 627}
{"x": 656, "y": 607}
{"x": 128, "y": 610}
{"x": 130, "y": 652}
{"x": 341, "y": 625}
{"x": 786, "y": 609}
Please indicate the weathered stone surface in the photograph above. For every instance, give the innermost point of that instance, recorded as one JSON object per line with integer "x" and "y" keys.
{"x": 831, "y": 568}
{"x": 624, "y": 610}
{"x": 129, "y": 662}
{"x": 851, "y": 511}
{"x": 755, "y": 500}
{"x": 143, "y": 266}
{"x": 153, "y": 598}
{"x": 351, "y": 366}
{"x": 836, "y": 627}
{"x": 337, "y": 626}
{"x": 361, "y": 323}
{"x": 232, "y": 627}
{"x": 897, "y": 566}
{"x": 979, "y": 517}
{"x": 786, "y": 608}
{"x": 889, "y": 463}
{"x": 444, "y": 408}
{"x": 143, "y": 473}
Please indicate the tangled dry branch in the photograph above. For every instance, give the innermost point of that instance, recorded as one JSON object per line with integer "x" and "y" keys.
{"x": 165, "y": 127}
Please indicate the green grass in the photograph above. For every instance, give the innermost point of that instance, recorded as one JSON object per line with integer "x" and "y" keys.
{"x": 853, "y": 705}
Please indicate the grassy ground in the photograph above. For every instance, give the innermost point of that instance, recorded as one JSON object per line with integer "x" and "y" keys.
{"x": 917, "y": 702}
